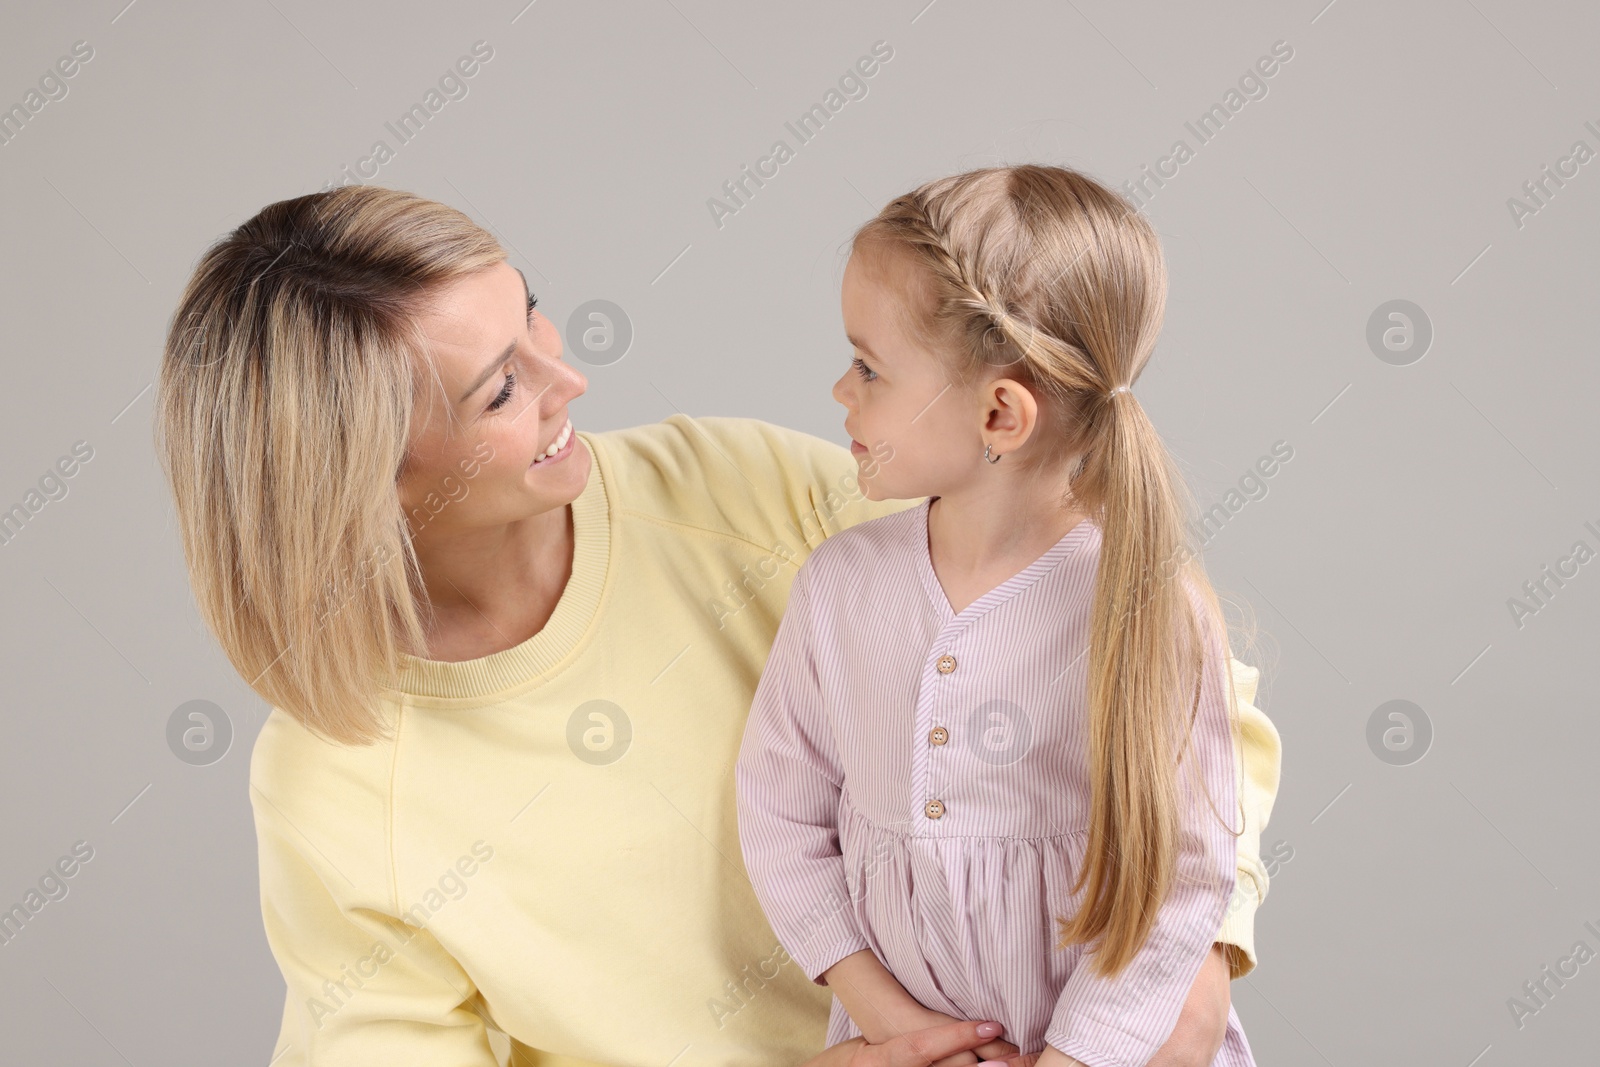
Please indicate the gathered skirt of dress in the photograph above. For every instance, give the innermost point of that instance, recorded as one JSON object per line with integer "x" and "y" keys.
{"x": 948, "y": 915}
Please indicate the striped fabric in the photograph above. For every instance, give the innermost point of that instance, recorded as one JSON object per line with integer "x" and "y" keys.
{"x": 914, "y": 781}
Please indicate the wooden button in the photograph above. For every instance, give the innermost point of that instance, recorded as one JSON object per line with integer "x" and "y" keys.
{"x": 933, "y": 809}
{"x": 939, "y": 735}
{"x": 947, "y": 663}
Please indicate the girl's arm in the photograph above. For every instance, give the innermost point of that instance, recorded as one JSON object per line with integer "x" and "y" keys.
{"x": 875, "y": 999}
{"x": 788, "y": 778}
{"x": 880, "y": 1006}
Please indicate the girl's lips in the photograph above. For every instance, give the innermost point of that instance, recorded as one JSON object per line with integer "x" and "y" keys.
{"x": 856, "y": 447}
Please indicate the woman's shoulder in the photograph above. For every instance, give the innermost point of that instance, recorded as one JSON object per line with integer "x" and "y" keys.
{"x": 305, "y": 779}
{"x": 880, "y": 547}
{"x": 323, "y": 815}
{"x": 739, "y": 476}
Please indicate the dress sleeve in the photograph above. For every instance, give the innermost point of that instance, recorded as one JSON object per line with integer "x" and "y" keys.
{"x": 1262, "y": 759}
{"x": 364, "y": 988}
{"x": 1122, "y": 1020}
{"x": 788, "y": 777}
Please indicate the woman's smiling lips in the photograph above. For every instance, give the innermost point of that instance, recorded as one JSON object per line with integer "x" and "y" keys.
{"x": 562, "y": 446}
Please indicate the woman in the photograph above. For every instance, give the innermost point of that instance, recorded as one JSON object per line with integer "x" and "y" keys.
{"x": 509, "y": 662}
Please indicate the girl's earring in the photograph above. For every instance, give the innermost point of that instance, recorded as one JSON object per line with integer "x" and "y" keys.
{"x": 986, "y": 449}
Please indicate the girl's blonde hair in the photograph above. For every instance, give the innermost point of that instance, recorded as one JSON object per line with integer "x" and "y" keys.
{"x": 1056, "y": 279}
{"x": 284, "y": 407}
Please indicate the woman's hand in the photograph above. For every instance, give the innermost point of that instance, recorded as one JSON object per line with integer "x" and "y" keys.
{"x": 926, "y": 1019}
{"x": 890, "y": 1017}
{"x": 924, "y": 1048}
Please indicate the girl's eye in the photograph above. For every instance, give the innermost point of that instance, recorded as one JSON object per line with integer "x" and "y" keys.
{"x": 866, "y": 372}
{"x": 533, "y": 302}
{"x": 504, "y": 395}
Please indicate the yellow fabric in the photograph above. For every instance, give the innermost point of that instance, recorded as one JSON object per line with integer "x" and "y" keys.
{"x": 484, "y": 888}
{"x": 1260, "y": 754}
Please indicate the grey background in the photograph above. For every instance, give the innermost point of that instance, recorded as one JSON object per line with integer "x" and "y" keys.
{"x": 1419, "y": 499}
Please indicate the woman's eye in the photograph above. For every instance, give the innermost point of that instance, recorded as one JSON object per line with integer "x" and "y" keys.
{"x": 504, "y": 395}
{"x": 866, "y": 372}
{"x": 533, "y": 302}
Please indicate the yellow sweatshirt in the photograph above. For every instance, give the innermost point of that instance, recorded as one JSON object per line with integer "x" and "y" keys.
{"x": 542, "y": 866}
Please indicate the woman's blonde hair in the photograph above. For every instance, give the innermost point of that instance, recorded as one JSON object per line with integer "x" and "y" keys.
{"x": 1057, "y": 280}
{"x": 284, "y": 407}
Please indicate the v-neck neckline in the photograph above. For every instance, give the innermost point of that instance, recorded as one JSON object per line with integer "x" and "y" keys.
{"x": 1007, "y": 589}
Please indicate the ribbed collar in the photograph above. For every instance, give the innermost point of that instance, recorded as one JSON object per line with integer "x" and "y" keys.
{"x": 436, "y": 683}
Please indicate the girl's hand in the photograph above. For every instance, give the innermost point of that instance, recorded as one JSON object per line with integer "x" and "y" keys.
{"x": 885, "y": 1013}
{"x": 923, "y": 1048}
{"x": 926, "y": 1019}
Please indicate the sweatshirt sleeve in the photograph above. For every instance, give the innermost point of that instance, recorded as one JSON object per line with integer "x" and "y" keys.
{"x": 1261, "y": 752}
{"x": 788, "y": 778}
{"x": 1120, "y": 1021}
{"x": 365, "y": 989}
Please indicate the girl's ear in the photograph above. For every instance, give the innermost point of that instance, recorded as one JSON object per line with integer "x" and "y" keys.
{"x": 1012, "y": 413}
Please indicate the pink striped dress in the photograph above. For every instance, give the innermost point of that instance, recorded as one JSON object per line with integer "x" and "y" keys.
{"x": 913, "y": 780}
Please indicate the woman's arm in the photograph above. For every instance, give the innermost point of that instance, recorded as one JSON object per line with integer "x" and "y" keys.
{"x": 363, "y": 987}
{"x": 1262, "y": 759}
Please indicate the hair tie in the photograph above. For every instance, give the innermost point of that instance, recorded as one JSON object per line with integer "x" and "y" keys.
{"x": 1119, "y": 389}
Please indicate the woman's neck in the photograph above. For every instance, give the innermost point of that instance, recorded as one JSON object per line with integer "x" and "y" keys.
{"x": 492, "y": 589}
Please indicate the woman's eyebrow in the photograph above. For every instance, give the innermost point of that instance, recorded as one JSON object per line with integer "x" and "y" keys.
{"x": 488, "y": 371}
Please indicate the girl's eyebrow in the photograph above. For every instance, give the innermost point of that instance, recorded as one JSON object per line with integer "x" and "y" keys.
{"x": 863, "y": 346}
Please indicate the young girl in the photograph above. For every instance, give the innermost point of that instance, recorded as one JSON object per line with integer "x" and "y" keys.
{"x": 989, "y": 767}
